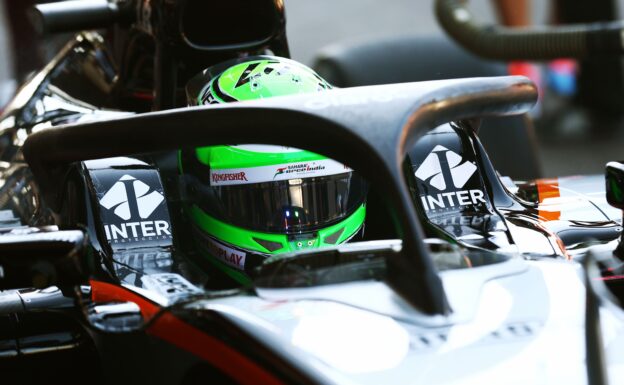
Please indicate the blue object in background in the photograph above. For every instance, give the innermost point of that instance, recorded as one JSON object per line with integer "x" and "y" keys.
{"x": 562, "y": 77}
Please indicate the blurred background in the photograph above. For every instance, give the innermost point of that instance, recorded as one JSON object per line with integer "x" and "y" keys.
{"x": 566, "y": 147}
{"x": 312, "y": 25}
{"x": 572, "y": 139}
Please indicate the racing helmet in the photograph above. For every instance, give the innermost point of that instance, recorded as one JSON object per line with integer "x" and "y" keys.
{"x": 248, "y": 202}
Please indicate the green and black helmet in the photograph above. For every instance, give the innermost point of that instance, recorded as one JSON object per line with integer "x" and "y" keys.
{"x": 249, "y": 202}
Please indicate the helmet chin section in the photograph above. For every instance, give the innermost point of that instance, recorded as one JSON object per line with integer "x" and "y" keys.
{"x": 243, "y": 250}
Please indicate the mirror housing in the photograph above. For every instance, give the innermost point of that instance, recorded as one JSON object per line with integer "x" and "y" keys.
{"x": 33, "y": 257}
{"x": 115, "y": 317}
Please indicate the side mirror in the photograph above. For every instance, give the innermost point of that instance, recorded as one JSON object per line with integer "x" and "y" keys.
{"x": 32, "y": 257}
{"x": 615, "y": 184}
{"x": 116, "y": 317}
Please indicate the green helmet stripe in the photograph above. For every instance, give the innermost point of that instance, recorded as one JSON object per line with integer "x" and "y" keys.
{"x": 226, "y": 157}
{"x": 219, "y": 94}
{"x": 352, "y": 225}
{"x": 243, "y": 238}
{"x": 231, "y": 234}
{"x": 245, "y": 76}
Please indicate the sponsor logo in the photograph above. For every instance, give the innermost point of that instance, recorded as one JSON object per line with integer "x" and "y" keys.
{"x": 137, "y": 231}
{"x": 445, "y": 170}
{"x": 232, "y": 257}
{"x": 134, "y": 202}
{"x": 158, "y": 260}
{"x": 228, "y": 255}
{"x": 475, "y": 222}
{"x": 229, "y": 177}
{"x": 301, "y": 168}
{"x": 118, "y": 200}
{"x": 276, "y": 172}
{"x": 441, "y": 159}
{"x": 130, "y": 262}
{"x": 207, "y": 97}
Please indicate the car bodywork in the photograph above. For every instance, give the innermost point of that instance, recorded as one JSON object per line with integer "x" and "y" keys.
{"x": 414, "y": 315}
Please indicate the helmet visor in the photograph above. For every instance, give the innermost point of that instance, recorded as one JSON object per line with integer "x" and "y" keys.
{"x": 287, "y": 206}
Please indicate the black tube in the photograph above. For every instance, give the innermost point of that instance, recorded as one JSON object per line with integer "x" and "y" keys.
{"x": 76, "y": 15}
{"x": 594, "y": 345}
{"x": 535, "y": 43}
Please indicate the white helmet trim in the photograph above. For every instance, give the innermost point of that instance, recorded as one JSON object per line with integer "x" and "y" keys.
{"x": 277, "y": 172}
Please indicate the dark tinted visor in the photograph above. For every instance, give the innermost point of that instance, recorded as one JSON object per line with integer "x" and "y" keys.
{"x": 288, "y": 206}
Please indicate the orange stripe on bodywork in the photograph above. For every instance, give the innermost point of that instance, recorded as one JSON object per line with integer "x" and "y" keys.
{"x": 177, "y": 332}
{"x": 548, "y": 188}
